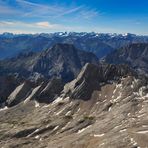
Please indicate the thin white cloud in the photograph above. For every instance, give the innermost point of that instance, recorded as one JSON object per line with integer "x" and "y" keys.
{"x": 89, "y": 14}
{"x": 7, "y": 10}
{"x": 37, "y": 27}
{"x": 16, "y": 24}
{"x": 36, "y": 6}
{"x": 43, "y": 24}
{"x": 72, "y": 10}
{"x": 55, "y": 11}
{"x": 46, "y": 25}
{"x": 28, "y": 3}
{"x": 6, "y": 23}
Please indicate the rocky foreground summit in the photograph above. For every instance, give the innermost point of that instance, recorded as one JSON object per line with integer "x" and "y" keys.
{"x": 105, "y": 106}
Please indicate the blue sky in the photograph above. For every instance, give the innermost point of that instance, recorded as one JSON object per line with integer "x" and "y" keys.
{"x": 108, "y": 16}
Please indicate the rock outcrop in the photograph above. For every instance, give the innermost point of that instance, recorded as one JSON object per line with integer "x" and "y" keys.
{"x": 43, "y": 92}
{"x": 92, "y": 77}
{"x": 19, "y": 94}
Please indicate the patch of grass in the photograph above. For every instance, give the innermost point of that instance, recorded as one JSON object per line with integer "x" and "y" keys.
{"x": 46, "y": 121}
{"x": 81, "y": 121}
{"x": 86, "y": 119}
{"x": 60, "y": 103}
{"x": 89, "y": 117}
{"x": 68, "y": 117}
{"x": 14, "y": 122}
{"x": 22, "y": 123}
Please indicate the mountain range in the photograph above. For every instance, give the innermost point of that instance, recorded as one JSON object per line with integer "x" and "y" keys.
{"x": 65, "y": 96}
{"x": 98, "y": 43}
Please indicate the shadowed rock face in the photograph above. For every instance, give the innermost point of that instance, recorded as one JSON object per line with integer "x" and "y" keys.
{"x": 43, "y": 92}
{"x": 50, "y": 91}
{"x": 91, "y": 78}
{"x": 7, "y": 85}
{"x": 62, "y": 60}
{"x": 19, "y": 93}
{"x": 135, "y": 55}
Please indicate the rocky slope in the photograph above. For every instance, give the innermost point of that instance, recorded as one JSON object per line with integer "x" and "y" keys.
{"x": 135, "y": 55}
{"x": 62, "y": 60}
{"x": 105, "y": 106}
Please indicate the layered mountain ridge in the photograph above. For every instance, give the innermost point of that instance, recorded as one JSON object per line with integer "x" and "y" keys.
{"x": 98, "y": 43}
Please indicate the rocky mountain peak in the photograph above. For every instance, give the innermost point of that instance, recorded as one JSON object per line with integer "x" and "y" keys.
{"x": 92, "y": 77}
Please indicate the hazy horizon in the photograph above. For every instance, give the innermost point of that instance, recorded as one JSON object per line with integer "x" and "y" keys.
{"x": 110, "y": 33}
